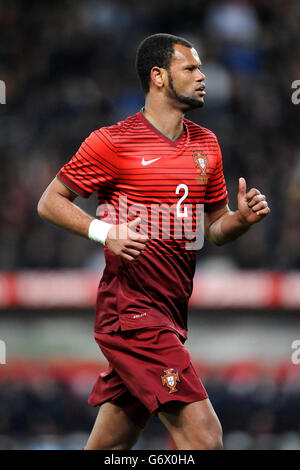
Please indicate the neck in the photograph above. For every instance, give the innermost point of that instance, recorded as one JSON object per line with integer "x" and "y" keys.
{"x": 166, "y": 118}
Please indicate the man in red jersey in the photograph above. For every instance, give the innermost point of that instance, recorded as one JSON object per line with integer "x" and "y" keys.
{"x": 156, "y": 158}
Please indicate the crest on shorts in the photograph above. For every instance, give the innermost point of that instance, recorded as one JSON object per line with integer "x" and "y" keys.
{"x": 170, "y": 379}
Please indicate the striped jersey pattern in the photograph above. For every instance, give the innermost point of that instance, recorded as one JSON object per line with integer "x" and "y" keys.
{"x": 138, "y": 171}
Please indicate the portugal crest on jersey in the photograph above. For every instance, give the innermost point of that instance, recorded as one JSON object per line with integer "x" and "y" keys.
{"x": 201, "y": 162}
{"x": 170, "y": 379}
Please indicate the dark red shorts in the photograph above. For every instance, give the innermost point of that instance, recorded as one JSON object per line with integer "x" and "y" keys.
{"x": 147, "y": 368}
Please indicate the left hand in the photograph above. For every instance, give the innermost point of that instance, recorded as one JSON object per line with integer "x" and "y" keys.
{"x": 252, "y": 205}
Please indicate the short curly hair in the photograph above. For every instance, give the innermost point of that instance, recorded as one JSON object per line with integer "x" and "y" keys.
{"x": 156, "y": 50}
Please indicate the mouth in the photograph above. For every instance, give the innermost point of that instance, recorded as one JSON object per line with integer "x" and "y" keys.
{"x": 200, "y": 91}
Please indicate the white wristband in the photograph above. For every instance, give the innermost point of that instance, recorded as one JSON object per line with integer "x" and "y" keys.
{"x": 98, "y": 231}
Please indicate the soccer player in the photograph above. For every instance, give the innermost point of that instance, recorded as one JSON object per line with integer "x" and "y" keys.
{"x": 155, "y": 158}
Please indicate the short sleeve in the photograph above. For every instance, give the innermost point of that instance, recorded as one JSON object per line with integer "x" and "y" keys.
{"x": 92, "y": 167}
{"x": 216, "y": 194}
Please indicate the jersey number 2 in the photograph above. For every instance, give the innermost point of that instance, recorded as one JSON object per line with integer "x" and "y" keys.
{"x": 186, "y": 192}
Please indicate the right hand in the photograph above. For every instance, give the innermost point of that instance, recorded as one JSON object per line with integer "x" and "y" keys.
{"x": 123, "y": 241}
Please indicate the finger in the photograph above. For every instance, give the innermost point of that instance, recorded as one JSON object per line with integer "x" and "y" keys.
{"x": 137, "y": 237}
{"x": 131, "y": 252}
{"x": 134, "y": 223}
{"x": 253, "y": 192}
{"x": 242, "y": 186}
{"x": 264, "y": 212}
{"x": 127, "y": 257}
{"x": 256, "y": 199}
{"x": 135, "y": 245}
{"x": 260, "y": 206}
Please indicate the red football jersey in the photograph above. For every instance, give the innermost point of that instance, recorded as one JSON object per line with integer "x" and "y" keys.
{"x": 136, "y": 169}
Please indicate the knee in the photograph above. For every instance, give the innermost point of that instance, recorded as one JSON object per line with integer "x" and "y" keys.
{"x": 209, "y": 440}
{"x": 212, "y": 441}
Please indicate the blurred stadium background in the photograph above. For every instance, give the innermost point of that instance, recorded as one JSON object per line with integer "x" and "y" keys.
{"x": 69, "y": 68}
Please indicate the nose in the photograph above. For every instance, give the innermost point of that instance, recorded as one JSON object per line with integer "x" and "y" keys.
{"x": 201, "y": 76}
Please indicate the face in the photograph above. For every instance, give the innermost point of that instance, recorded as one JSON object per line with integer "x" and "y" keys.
{"x": 185, "y": 80}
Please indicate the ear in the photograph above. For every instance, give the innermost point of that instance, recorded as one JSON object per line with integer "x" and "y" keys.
{"x": 157, "y": 76}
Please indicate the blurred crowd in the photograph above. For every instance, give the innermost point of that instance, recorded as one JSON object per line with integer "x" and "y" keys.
{"x": 256, "y": 411}
{"x": 69, "y": 69}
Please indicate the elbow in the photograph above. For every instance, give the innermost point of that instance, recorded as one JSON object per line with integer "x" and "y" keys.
{"x": 41, "y": 208}
{"x": 216, "y": 240}
{"x": 212, "y": 238}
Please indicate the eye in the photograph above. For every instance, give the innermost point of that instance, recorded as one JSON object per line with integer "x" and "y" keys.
{"x": 192, "y": 68}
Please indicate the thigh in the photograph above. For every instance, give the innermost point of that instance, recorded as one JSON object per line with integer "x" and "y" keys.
{"x": 113, "y": 430}
{"x": 109, "y": 387}
{"x": 193, "y": 425}
{"x": 154, "y": 365}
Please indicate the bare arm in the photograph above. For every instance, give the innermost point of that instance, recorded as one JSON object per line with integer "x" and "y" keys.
{"x": 224, "y": 225}
{"x": 56, "y": 206}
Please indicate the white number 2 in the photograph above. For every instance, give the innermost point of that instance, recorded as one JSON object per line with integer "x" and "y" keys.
{"x": 186, "y": 192}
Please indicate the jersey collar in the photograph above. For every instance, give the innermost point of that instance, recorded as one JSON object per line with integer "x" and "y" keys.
{"x": 160, "y": 134}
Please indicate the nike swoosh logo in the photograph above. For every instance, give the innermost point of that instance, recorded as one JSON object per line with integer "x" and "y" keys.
{"x": 147, "y": 162}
